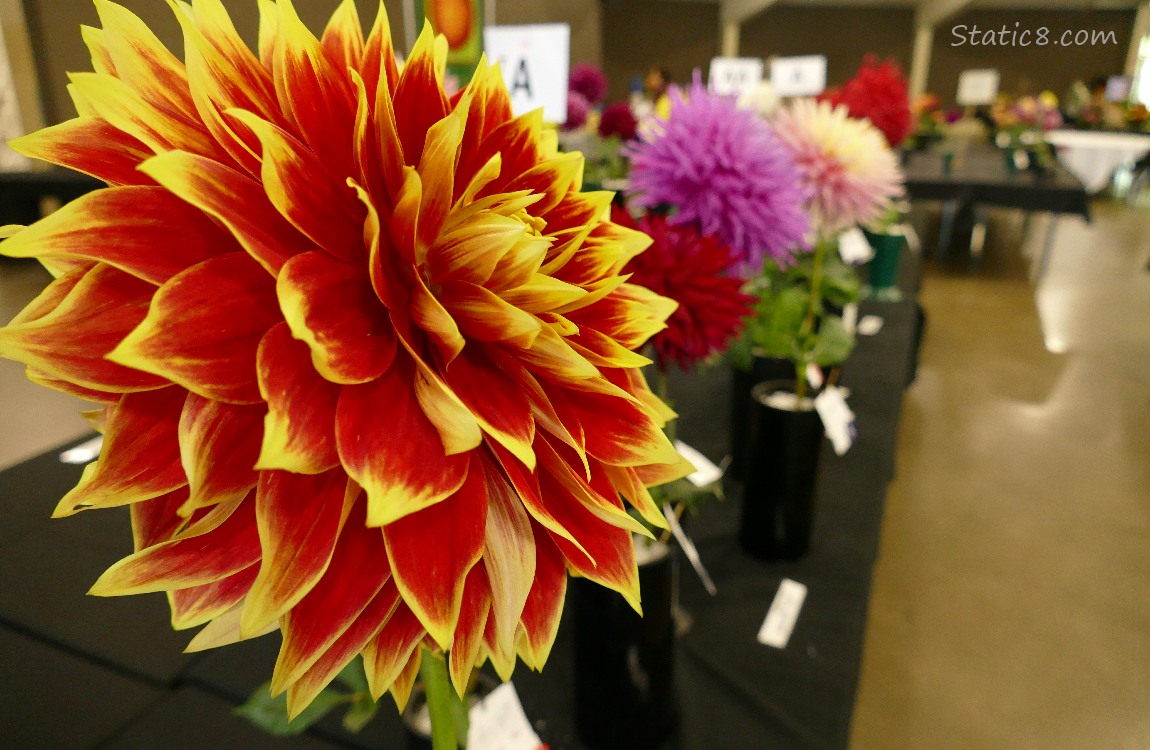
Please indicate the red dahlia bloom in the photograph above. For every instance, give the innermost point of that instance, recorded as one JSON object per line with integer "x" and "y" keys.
{"x": 693, "y": 270}
{"x": 878, "y": 93}
{"x": 366, "y": 351}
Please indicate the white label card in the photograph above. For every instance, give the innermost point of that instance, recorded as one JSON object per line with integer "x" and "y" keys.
{"x": 84, "y": 453}
{"x": 783, "y": 614}
{"x": 854, "y": 248}
{"x": 838, "y": 419}
{"x": 870, "y": 325}
{"x": 706, "y": 473}
{"x": 535, "y": 59}
{"x": 735, "y": 75}
{"x": 799, "y": 76}
{"x": 815, "y": 375}
{"x": 498, "y": 723}
{"x": 979, "y": 86}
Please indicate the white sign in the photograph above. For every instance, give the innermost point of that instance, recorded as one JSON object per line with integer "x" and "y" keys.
{"x": 838, "y": 419}
{"x": 498, "y": 723}
{"x": 783, "y": 614}
{"x": 735, "y": 75}
{"x": 977, "y": 87}
{"x": 706, "y": 473}
{"x": 854, "y": 248}
{"x": 799, "y": 76}
{"x": 535, "y": 61}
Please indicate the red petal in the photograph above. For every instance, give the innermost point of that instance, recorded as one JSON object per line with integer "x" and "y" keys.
{"x": 389, "y": 446}
{"x": 468, "y": 644}
{"x": 357, "y": 572}
{"x": 157, "y": 520}
{"x": 204, "y": 327}
{"x": 237, "y": 201}
{"x": 509, "y": 556}
{"x": 197, "y": 605}
{"x": 123, "y": 227}
{"x": 89, "y": 145}
{"x": 299, "y": 431}
{"x": 68, "y": 331}
{"x": 544, "y": 606}
{"x": 331, "y": 305}
{"x": 219, "y": 444}
{"x": 141, "y": 454}
{"x": 219, "y": 545}
{"x": 388, "y": 653}
{"x": 501, "y": 408}
{"x": 432, "y": 551}
{"x": 299, "y": 518}
{"x": 419, "y": 99}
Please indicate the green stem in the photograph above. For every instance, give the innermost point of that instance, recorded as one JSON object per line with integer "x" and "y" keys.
{"x": 448, "y": 714}
{"x": 813, "y": 303}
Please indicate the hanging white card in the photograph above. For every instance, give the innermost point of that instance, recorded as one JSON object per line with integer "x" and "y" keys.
{"x": 498, "y": 723}
{"x": 735, "y": 75}
{"x": 838, "y": 419}
{"x": 535, "y": 59}
{"x": 799, "y": 76}
{"x": 854, "y": 248}
{"x": 783, "y": 614}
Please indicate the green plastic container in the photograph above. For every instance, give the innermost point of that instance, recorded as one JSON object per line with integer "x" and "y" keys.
{"x": 883, "y": 279}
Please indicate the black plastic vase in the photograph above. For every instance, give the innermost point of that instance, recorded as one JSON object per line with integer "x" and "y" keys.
{"x": 742, "y": 381}
{"x": 782, "y": 469}
{"x": 624, "y": 663}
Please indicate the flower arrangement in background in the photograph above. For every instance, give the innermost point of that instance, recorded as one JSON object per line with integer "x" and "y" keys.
{"x": 693, "y": 270}
{"x": 723, "y": 169}
{"x": 1036, "y": 113}
{"x": 279, "y": 411}
{"x": 844, "y": 164}
{"x": 589, "y": 81}
{"x": 618, "y": 121}
{"x": 878, "y": 92}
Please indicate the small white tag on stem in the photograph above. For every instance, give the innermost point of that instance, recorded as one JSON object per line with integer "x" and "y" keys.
{"x": 870, "y": 325}
{"x": 854, "y": 248}
{"x": 783, "y": 614}
{"x": 706, "y": 473}
{"x": 851, "y": 317}
{"x": 838, "y": 419}
{"x": 815, "y": 375}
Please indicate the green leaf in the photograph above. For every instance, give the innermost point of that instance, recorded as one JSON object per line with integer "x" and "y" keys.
{"x": 777, "y": 328}
{"x": 362, "y": 711}
{"x": 840, "y": 282}
{"x": 271, "y": 714}
{"x": 833, "y": 344}
{"x": 740, "y": 351}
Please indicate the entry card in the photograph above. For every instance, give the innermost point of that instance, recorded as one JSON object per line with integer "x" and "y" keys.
{"x": 977, "y": 86}
{"x": 799, "y": 76}
{"x": 498, "y": 723}
{"x": 783, "y": 614}
{"x": 838, "y": 419}
{"x": 706, "y": 473}
{"x": 854, "y": 248}
{"x": 535, "y": 59}
{"x": 84, "y": 453}
{"x": 735, "y": 75}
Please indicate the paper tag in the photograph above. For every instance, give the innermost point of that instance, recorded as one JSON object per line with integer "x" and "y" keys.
{"x": 783, "y": 614}
{"x": 870, "y": 325}
{"x": 706, "y": 473}
{"x": 815, "y": 375}
{"x": 84, "y": 453}
{"x": 838, "y": 419}
{"x": 734, "y": 75}
{"x": 854, "y": 248}
{"x": 689, "y": 549}
{"x": 534, "y": 59}
{"x": 805, "y": 75}
{"x": 977, "y": 86}
{"x": 851, "y": 317}
{"x": 498, "y": 723}
{"x": 913, "y": 243}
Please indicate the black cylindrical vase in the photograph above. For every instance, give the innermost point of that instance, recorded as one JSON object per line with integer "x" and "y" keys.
{"x": 624, "y": 663}
{"x": 742, "y": 381}
{"x": 782, "y": 466}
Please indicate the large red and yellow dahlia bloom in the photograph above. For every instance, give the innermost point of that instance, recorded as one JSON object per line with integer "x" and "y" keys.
{"x": 366, "y": 351}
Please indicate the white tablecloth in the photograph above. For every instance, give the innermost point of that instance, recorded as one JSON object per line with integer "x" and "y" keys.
{"x": 1092, "y": 157}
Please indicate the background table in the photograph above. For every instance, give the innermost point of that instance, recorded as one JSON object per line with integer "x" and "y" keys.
{"x": 79, "y": 672}
{"x": 22, "y": 192}
{"x": 981, "y": 179}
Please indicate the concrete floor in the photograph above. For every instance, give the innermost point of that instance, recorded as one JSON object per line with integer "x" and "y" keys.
{"x": 1011, "y": 604}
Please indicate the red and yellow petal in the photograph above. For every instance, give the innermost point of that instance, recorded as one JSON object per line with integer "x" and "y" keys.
{"x": 299, "y": 429}
{"x": 219, "y": 443}
{"x": 203, "y": 328}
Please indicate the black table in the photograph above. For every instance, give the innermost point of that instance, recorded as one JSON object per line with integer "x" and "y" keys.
{"x": 22, "y": 192}
{"x": 980, "y": 179}
{"x": 79, "y": 672}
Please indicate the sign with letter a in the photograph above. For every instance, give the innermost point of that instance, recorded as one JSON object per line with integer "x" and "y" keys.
{"x": 535, "y": 61}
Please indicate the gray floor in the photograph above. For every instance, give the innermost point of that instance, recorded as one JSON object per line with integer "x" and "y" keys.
{"x": 1011, "y": 607}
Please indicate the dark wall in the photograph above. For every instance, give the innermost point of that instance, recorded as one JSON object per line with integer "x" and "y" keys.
{"x": 844, "y": 34}
{"x": 638, "y": 34}
{"x": 54, "y": 26}
{"x": 1032, "y": 69}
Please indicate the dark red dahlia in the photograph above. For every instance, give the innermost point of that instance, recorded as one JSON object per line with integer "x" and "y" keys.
{"x": 693, "y": 270}
{"x": 618, "y": 119}
{"x": 878, "y": 93}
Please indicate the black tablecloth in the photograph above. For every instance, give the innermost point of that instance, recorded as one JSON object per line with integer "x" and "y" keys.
{"x": 21, "y": 192}
{"x": 80, "y": 672}
{"x": 981, "y": 177}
